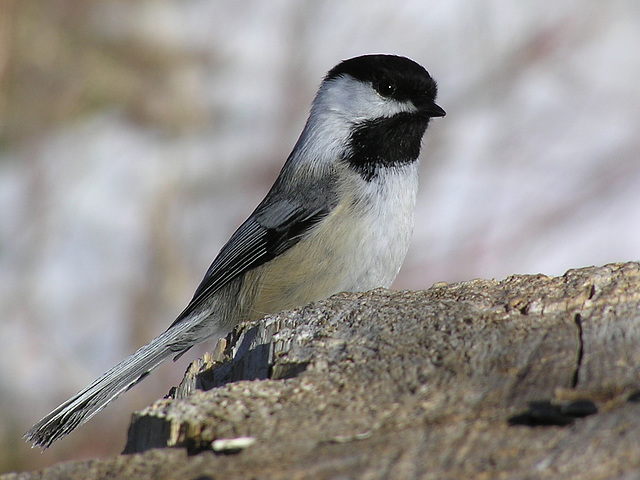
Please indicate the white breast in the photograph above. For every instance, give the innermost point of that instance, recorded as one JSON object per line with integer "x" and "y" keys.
{"x": 361, "y": 245}
{"x": 387, "y": 225}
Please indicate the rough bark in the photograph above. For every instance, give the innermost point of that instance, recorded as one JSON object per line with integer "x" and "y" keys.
{"x": 431, "y": 384}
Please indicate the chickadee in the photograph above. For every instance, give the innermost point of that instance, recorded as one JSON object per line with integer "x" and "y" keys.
{"x": 338, "y": 218}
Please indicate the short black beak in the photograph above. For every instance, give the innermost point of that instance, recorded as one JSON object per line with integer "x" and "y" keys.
{"x": 434, "y": 110}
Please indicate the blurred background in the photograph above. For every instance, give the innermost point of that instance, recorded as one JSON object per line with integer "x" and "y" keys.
{"x": 135, "y": 136}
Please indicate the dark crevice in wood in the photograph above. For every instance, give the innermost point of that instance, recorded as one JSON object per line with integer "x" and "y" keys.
{"x": 577, "y": 319}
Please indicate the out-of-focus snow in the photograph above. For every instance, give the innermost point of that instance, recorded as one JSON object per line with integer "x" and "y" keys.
{"x": 108, "y": 224}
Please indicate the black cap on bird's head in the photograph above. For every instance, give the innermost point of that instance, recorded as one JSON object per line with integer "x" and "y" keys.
{"x": 393, "y": 77}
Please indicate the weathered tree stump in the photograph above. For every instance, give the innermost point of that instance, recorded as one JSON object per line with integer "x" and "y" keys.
{"x": 529, "y": 377}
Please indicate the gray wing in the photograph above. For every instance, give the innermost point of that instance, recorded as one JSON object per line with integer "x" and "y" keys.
{"x": 274, "y": 227}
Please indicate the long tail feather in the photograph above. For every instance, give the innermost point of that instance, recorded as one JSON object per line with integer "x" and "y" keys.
{"x": 89, "y": 401}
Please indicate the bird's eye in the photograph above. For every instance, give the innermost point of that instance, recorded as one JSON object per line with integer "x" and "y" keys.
{"x": 386, "y": 89}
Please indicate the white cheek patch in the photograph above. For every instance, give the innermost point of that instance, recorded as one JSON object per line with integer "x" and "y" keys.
{"x": 357, "y": 101}
{"x": 340, "y": 104}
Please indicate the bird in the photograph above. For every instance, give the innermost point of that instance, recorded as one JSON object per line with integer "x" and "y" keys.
{"x": 338, "y": 218}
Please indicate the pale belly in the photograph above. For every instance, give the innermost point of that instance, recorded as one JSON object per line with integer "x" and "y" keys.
{"x": 359, "y": 246}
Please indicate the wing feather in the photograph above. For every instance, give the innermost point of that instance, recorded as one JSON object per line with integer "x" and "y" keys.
{"x": 268, "y": 232}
